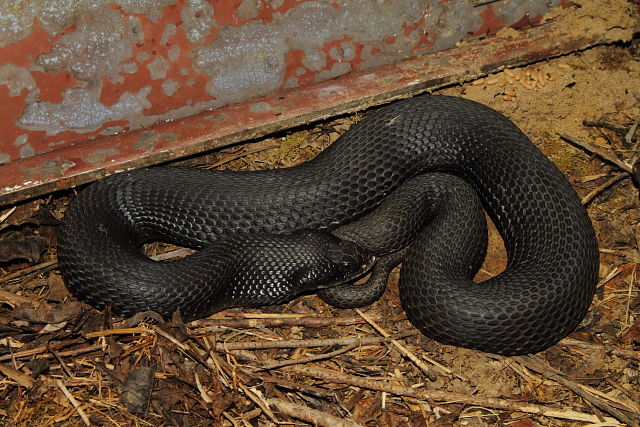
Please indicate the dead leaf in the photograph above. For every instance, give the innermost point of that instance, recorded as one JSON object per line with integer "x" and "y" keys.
{"x": 137, "y": 389}
{"x": 48, "y": 313}
{"x": 15, "y": 245}
{"x": 525, "y": 422}
{"x": 57, "y": 290}
{"x": 633, "y": 334}
{"x": 366, "y": 409}
{"x": 23, "y": 214}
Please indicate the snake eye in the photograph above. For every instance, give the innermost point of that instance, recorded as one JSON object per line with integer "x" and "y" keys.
{"x": 350, "y": 259}
{"x": 347, "y": 254}
{"x": 337, "y": 262}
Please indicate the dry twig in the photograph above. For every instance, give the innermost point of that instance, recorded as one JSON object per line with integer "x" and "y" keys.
{"x": 23, "y": 379}
{"x": 600, "y": 153}
{"x": 409, "y": 354}
{"x": 251, "y": 321}
{"x": 310, "y": 415}
{"x": 38, "y": 268}
{"x": 314, "y": 358}
{"x": 589, "y": 197}
{"x": 44, "y": 349}
{"x": 74, "y": 402}
{"x": 595, "y": 397}
{"x": 308, "y": 343}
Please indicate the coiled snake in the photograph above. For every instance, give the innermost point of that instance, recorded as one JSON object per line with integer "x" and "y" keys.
{"x": 265, "y": 235}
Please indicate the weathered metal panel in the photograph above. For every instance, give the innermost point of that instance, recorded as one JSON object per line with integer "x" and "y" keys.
{"x": 90, "y": 88}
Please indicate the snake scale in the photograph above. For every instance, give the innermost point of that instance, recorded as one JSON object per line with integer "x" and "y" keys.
{"x": 264, "y": 236}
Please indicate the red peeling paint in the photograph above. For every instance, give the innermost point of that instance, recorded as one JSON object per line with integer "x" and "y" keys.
{"x": 25, "y": 51}
{"x": 294, "y": 60}
{"x": 526, "y": 22}
{"x": 53, "y": 84}
{"x": 491, "y": 23}
{"x": 10, "y": 107}
{"x": 410, "y": 28}
{"x": 266, "y": 10}
{"x": 356, "y": 62}
{"x": 190, "y": 83}
{"x": 226, "y": 12}
{"x": 424, "y": 42}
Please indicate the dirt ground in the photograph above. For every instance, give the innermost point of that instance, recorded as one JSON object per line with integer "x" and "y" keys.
{"x": 63, "y": 362}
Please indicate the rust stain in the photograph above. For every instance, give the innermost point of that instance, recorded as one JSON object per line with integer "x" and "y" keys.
{"x": 100, "y": 155}
{"x": 148, "y": 140}
{"x": 491, "y": 23}
{"x": 48, "y": 169}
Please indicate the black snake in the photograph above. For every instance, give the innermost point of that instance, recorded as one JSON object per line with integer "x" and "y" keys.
{"x": 264, "y": 235}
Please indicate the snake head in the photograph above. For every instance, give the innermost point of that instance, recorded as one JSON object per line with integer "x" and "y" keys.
{"x": 336, "y": 261}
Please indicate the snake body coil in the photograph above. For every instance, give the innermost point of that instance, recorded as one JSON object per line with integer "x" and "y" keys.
{"x": 540, "y": 298}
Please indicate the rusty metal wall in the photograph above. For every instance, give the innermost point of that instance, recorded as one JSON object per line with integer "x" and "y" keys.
{"x": 72, "y": 70}
{"x": 89, "y": 88}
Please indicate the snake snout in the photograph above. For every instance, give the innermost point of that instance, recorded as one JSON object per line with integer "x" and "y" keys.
{"x": 349, "y": 255}
{"x": 350, "y": 261}
{"x": 339, "y": 261}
